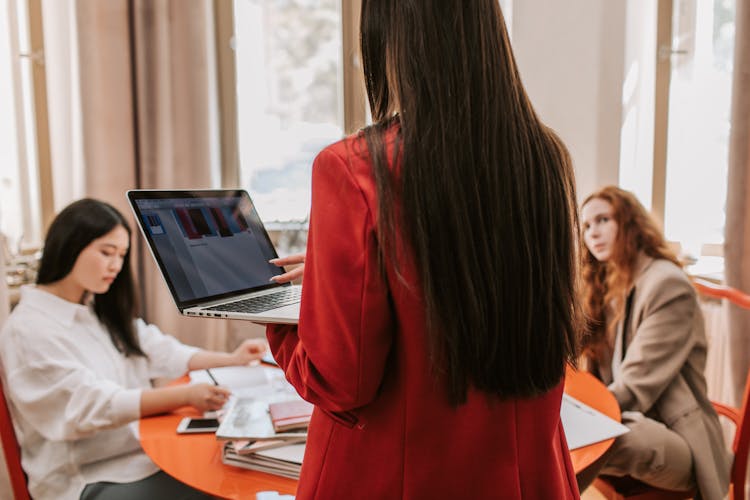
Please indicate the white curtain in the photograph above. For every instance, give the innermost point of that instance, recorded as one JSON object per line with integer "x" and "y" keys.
{"x": 64, "y": 101}
{"x": 737, "y": 227}
{"x": 718, "y": 367}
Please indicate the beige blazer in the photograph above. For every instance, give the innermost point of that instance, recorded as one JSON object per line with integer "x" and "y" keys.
{"x": 661, "y": 373}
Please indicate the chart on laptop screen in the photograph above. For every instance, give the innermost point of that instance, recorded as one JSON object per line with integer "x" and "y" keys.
{"x": 208, "y": 246}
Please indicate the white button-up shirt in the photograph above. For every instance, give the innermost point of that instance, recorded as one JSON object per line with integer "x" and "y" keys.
{"x": 75, "y": 400}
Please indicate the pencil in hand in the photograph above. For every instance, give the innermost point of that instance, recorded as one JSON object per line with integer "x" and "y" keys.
{"x": 211, "y": 376}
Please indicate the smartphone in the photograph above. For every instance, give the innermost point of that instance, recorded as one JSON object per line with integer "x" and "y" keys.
{"x": 190, "y": 425}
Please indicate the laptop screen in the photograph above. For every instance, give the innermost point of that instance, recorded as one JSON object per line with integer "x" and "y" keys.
{"x": 208, "y": 244}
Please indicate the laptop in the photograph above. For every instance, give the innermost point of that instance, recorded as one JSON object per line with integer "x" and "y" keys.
{"x": 213, "y": 251}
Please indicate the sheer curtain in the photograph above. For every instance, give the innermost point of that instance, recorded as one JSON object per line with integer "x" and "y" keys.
{"x": 178, "y": 136}
{"x": 737, "y": 228}
{"x": 144, "y": 72}
{"x": 718, "y": 375}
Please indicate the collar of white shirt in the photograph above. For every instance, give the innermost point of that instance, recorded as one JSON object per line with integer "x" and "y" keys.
{"x": 51, "y": 305}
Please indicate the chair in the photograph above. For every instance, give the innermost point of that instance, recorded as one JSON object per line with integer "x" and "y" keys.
{"x": 615, "y": 488}
{"x": 621, "y": 488}
{"x": 12, "y": 452}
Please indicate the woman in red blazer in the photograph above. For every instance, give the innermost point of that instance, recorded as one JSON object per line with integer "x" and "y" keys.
{"x": 438, "y": 307}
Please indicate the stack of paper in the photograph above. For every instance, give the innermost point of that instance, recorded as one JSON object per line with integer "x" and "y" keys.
{"x": 246, "y": 447}
{"x": 252, "y": 442}
{"x": 283, "y": 461}
{"x": 246, "y": 425}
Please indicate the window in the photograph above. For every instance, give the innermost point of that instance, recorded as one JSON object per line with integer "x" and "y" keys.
{"x": 689, "y": 112}
{"x": 10, "y": 191}
{"x": 19, "y": 135}
{"x": 289, "y": 67}
{"x": 699, "y": 113}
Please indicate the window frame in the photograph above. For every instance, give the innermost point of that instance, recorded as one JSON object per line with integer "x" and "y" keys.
{"x": 33, "y": 139}
{"x": 664, "y": 16}
{"x": 662, "y": 88}
{"x": 354, "y": 94}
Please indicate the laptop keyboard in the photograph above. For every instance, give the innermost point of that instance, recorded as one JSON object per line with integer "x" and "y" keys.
{"x": 262, "y": 302}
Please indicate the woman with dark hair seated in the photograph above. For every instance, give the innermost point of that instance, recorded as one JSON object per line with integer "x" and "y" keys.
{"x": 78, "y": 365}
{"x": 646, "y": 341}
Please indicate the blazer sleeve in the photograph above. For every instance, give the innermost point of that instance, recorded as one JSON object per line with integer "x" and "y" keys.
{"x": 335, "y": 357}
{"x": 660, "y": 346}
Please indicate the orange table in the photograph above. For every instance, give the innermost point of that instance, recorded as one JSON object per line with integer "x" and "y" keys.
{"x": 589, "y": 390}
{"x": 196, "y": 458}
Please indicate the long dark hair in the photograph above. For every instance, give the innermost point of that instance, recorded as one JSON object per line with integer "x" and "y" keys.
{"x": 74, "y": 228}
{"x": 606, "y": 283}
{"x": 481, "y": 192}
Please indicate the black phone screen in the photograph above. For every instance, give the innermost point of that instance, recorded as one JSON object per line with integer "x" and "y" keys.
{"x": 203, "y": 423}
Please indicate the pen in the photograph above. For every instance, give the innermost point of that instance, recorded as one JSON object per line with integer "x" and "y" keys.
{"x": 210, "y": 375}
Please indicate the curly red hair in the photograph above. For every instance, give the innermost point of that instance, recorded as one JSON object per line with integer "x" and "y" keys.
{"x": 606, "y": 283}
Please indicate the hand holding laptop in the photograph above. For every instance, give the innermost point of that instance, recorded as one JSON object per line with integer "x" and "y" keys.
{"x": 292, "y": 274}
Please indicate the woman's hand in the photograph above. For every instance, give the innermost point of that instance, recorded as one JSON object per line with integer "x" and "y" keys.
{"x": 249, "y": 350}
{"x": 204, "y": 397}
{"x": 294, "y": 273}
{"x": 207, "y": 397}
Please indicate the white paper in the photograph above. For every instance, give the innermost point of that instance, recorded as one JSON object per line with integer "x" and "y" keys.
{"x": 285, "y": 461}
{"x": 292, "y": 453}
{"x": 268, "y": 358}
{"x": 246, "y": 418}
{"x": 237, "y": 377}
{"x": 584, "y": 425}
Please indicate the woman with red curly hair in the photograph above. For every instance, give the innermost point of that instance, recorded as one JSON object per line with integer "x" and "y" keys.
{"x": 646, "y": 340}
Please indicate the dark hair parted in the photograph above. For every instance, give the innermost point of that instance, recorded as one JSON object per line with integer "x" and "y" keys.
{"x": 608, "y": 282}
{"x": 481, "y": 191}
{"x": 74, "y": 228}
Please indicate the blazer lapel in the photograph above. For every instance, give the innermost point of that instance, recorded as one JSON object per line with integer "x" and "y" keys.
{"x": 621, "y": 335}
{"x": 619, "y": 349}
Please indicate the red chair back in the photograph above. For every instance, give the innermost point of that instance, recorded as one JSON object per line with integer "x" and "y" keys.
{"x": 741, "y": 444}
{"x": 709, "y": 289}
{"x": 12, "y": 452}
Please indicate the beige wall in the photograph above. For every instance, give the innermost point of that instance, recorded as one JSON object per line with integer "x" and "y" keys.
{"x": 571, "y": 58}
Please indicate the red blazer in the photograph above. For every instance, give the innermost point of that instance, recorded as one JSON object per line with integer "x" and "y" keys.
{"x": 382, "y": 427}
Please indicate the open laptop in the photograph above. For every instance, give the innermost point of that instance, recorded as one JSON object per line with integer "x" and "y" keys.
{"x": 213, "y": 252}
